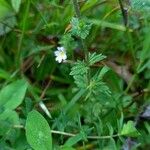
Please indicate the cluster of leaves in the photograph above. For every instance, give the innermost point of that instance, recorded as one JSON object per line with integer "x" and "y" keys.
{"x": 92, "y": 103}
{"x": 80, "y": 28}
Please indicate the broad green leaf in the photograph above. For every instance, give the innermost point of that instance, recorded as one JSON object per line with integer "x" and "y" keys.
{"x": 7, "y": 18}
{"x": 129, "y": 130}
{"x": 38, "y": 132}
{"x": 8, "y": 119}
{"x": 16, "y": 4}
{"x": 13, "y": 94}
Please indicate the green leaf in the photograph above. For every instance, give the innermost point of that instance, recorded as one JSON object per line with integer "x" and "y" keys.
{"x": 140, "y": 4}
{"x": 38, "y": 132}
{"x": 16, "y": 4}
{"x": 107, "y": 24}
{"x": 4, "y": 8}
{"x": 66, "y": 148}
{"x": 103, "y": 71}
{"x": 73, "y": 140}
{"x": 94, "y": 58}
{"x": 8, "y": 119}
{"x": 13, "y": 94}
{"x": 88, "y": 4}
{"x": 7, "y": 18}
{"x": 79, "y": 71}
{"x": 80, "y": 28}
{"x": 4, "y": 74}
{"x": 74, "y": 100}
{"x": 129, "y": 130}
{"x": 145, "y": 53}
{"x": 79, "y": 68}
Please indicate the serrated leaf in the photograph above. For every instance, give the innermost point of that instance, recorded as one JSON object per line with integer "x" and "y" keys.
{"x": 141, "y": 4}
{"x": 80, "y": 81}
{"x": 16, "y": 4}
{"x": 80, "y": 28}
{"x": 13, "y": 94}
{"x": 38, "y": 132}
{"x": 129, "y": 130}
{"x": 94, "y": 58}
{"x": 79, "y": 71}
{"x": 79, "y": 68}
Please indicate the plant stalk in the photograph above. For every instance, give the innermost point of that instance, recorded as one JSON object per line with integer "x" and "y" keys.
{"x": 72, "y": 134}
{"x": 78, "y": 15}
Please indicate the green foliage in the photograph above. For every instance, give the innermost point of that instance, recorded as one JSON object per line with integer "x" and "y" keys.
{"x": 7, "y": 18}
{"x": 9, "y": 119}
{"x": 87, "y": 101}
{"x": 141, "y": 5}
{"x": 16, "y": 4}
{"x": 13, "y": 94}
{"x": 94, "y": 58}
{"x": 73, "y": 140}
{"x": 79, "y": 71}
{"x": 88, "y": 4}
{"x": 38, "y": 132}
{"x": 68, "y": 42}
{"x": 66, "y": 148}
{"x": 129, "y": 130}
{"x": 80, "y": 28}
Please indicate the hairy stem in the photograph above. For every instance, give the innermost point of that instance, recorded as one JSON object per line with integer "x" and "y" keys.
{"x": 78, "y": 14}
{"x": 76, "y": 8}
{"x": 72, "y": 134}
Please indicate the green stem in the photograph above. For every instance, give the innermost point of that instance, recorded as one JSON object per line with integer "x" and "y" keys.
{"x": 76, "y": 8}
{"x": 78, "y": 14}
{"x": 130, "y": 83}
{"x": 72, "y": 134}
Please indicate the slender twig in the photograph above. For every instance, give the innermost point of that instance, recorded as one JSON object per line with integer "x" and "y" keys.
{"x": 45, "y": 89}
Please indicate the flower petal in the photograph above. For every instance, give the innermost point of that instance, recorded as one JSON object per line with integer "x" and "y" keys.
{"x": 64, "y": 57}
{"x": 61, "y": 48}
{"x": 59, "y": 59}
{"x": 56, "y": 53}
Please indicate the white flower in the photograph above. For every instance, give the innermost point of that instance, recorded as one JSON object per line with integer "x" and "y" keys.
{"x": 60, "y": 54}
